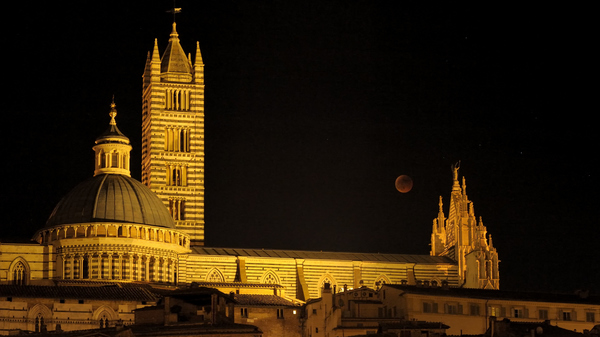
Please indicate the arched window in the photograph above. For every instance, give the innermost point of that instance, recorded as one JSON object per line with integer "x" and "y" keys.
{"x": 177, "y": 209}
{"x": 380, "y": 281}
{"x": 20, "y": 274}
{"x": 326, "y": 279}
{"x": 177, "y": 139}
{"x": 39, "y": 323}
{"x": 215, "y": 276}
{"x": 114, "y": 159}
{"x": 103, "y": 322}
{"x": 270, "y": 278}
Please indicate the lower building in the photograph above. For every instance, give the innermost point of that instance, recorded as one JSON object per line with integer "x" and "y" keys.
{"x": 468, "y": 311}
{"x": 361, "y": 312}
{"x": 88, "y": 306}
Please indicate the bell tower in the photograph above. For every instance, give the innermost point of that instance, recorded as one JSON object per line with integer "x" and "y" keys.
{"x": 173, "y": 134}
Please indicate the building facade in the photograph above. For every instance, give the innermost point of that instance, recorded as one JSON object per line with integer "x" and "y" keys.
{"x": 112, "y": 229}
{"x": 468, "y": 311}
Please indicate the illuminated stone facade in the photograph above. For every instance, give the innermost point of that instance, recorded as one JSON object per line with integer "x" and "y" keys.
{"x": 464, "y": 240}
{"x": 112, "y": 229}
{"x": 173, "y": 134}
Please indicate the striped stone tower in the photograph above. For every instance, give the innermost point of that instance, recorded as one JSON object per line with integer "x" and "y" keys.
{"x": 173, "y": 134}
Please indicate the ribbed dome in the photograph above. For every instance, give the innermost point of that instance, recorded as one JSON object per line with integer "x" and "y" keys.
{"x": 111, "y": 198}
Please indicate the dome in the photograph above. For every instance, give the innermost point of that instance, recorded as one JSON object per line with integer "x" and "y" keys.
{"x": 111, "y": 198}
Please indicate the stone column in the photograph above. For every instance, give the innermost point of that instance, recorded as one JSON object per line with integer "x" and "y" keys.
{"x": 130, "y": 275}
{"x": 90, "y": 266}
{"x": 110, "y": 266}
{"x": 72, "y": 268}
{"x": 147, "y": 268}
{"x": 120, "y": 267}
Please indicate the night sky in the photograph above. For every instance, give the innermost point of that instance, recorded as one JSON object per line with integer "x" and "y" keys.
{"x": 313, "y": 109}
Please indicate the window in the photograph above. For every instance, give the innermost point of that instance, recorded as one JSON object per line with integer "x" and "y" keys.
{"x": 590, "y": 317}
{"x": 103, "y": 322}
{"x": 280, "y": 313}
{"x": 497, "y": 311}
{"x": 566, "y": 315}
{"x": 19, "y": 274}
{"x": 430, "y": 307}
{"x": 176, "y": 175}
{"x": 314, "y": 311}
{"x": 114, "y": 159}
{"x": 518, "y": 313}
{"x": 474, "y": 310}
{"x": 543, "y": 314}
{"x": 177, "y": 209}
{"x": 215, "y": 276}
{"x": 177, "y": 139}
{"x": 39, "y": 323}
{"x": 454, "y": 309}
{"x": 244, "y": 312}
{"x": 178, "y": 99}
{"x": 80, "y": 301}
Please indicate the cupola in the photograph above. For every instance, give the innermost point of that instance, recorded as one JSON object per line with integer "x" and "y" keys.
{"x": 112, "y": 149}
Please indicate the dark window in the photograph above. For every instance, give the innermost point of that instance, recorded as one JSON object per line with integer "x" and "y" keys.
{"x": 590, "y": 317}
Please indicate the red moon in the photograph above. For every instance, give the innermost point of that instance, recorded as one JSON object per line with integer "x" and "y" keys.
{"x": 404, "y": 184}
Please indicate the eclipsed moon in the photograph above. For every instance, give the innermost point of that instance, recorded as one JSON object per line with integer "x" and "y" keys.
{"x": 404, "y": 184}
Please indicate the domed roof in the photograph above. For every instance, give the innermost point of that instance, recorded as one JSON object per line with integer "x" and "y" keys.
{"x": 111, "y": 198}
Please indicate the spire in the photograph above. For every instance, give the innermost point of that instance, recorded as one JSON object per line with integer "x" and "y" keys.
{"x": 112, "y": 148}
{"x": 174, "y": 59}
{"x": 198, "y": 66}
{"x": 155, "y": 54}
{"x": 198, "y": 60}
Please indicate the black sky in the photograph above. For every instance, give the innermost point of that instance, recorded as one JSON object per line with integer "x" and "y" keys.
{"x": 313, "y": 108}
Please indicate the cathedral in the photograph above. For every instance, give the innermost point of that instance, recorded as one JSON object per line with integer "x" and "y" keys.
{"x": 113, "y": 230}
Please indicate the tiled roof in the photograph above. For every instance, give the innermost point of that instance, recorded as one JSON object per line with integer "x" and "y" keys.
{"x": 300, "y": 254}
{"x": 266, "y": 300}
{"x": 75, "y": 292}
{"x": 413, "y": 325}
{"x": 498, "y": 294}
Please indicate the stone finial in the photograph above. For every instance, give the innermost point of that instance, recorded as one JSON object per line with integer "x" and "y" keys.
{"x": 113, "y": 112}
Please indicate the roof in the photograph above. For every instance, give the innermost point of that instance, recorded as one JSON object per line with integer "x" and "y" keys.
{"x": 413, "y": 325}
{"x": 262, "y": 300}
{"x": 507, "y": 328}
{"x": 498, "y": 294}
{"x": 112, "y": 135}
{"x": 111, "y": 198}
{"x": 82, "y": 293}
{"x": 299, "y": 254}
{"x": 174, "y": 59}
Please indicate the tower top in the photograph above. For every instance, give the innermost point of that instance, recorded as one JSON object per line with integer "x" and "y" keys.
{"x": 112, "y": 148}
{"x": 174, "y": 59}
